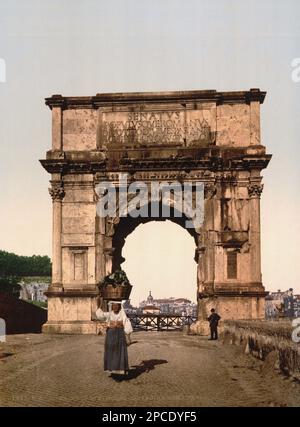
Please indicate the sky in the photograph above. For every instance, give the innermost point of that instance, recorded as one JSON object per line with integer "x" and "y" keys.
{"x": 83, "y": 48}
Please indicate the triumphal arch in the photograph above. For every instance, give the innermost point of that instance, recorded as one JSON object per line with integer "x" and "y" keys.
{"x": 206, "y": 138}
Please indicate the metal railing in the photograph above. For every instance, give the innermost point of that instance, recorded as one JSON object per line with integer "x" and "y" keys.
{"x": 160, "y": 322}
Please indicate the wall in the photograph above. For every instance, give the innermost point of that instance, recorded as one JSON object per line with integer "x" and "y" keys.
{"x": 270, "y": 341}
{"x": 21, "y": 317}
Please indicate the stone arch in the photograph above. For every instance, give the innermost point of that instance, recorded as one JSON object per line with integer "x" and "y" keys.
{"x": 126, "y": 225}
{"x": 192, "y": 136}
{"x": 121, "y": 227}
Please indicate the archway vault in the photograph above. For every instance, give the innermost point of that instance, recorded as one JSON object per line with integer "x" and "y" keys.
{"x": 128, "y": 224}
{"x": 159, "y": 257}
{"x": 195, "y": 136}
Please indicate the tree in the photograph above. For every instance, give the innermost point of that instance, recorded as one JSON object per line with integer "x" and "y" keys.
{"x": 13, "y": 267}
{"x": 16, "y": 265}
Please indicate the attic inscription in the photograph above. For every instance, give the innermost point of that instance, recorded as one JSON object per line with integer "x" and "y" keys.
{"x": 155, "y": 127}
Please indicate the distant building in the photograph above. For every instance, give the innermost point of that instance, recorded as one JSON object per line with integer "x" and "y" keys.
{"x": 34, "y": 288}
{"x": 179, "y": 306}
{"x": 297, "y": 306}
{"x": 282, "y": 304}
{"x": 150, "y": 309}
{"x": 129, "y": 308}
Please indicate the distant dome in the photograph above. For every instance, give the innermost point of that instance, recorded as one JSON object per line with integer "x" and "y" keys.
{"x": 150, "y": 299}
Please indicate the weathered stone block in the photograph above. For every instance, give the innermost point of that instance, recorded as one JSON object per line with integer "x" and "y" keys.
{"x": 233, "y": 125}
{"x": 79, "y": 129}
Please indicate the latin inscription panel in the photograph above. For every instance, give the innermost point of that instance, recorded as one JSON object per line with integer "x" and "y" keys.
{"x": 157, "y": 127}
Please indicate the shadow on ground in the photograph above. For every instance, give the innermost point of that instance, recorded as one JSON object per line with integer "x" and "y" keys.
{"x": 3, "y": 355}
{"x": 135, "y": 371}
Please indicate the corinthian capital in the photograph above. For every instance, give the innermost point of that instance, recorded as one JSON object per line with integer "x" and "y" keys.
{"x": 57, "y": 191}
{"x": 209, "y": 190}
{"x": 255, "y": 190}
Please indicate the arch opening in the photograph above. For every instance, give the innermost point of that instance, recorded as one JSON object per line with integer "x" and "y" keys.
{"x": 128, "y": 224}
{"x": 157, "y": 256}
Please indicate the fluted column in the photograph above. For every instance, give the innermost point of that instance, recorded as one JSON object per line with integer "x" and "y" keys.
{"x": 210, "y": 190}
{"x": 254, "y": 191}
{"x": 100, "y": 231}
{"x": 57, "y": 193}
{"x": 205, "y": 253}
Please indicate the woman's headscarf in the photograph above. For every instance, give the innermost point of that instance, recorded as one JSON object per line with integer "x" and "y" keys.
{"x": 121, "y": 312}
{"x": 110, "y": 304}
{"x": 126, "y": 321}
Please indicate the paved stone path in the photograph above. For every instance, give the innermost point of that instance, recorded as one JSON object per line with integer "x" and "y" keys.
{"x": 167, "y": 369}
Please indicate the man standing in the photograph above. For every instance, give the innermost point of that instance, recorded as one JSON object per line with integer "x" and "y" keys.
{"x": 213, "y": 324}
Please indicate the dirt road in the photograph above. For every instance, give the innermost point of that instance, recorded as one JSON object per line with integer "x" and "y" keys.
{"x": 167, "y": 369}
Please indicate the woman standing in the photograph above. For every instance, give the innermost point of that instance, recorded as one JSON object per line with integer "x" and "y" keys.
{"x": 115, "y": 349}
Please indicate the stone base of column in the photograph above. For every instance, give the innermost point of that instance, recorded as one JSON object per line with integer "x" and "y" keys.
{"x": 234, "y": 306}
{"x": 74, "y": 327}
{"x": 71, "y": 312}
{"x": 201, "y": 327}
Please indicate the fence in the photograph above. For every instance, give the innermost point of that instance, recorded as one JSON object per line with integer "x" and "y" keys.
{"x": 160, "y": 322}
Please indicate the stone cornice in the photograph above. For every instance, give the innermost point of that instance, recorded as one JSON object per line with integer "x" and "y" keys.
{"x": 211, "y": 158}
{"x": 69, "y": 293}
{"x": 104, "y": 99}
{"x": 239, "y": 293}
{"x": 72, "y": 166}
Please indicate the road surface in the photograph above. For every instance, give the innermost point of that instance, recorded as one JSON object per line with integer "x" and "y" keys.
{"x": 167, "y": 369}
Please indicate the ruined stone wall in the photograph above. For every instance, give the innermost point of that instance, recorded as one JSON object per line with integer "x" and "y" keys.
{"x": 79, "y": 128}
{"x": 21, "y": 317}
{"x": 270, "y": 341}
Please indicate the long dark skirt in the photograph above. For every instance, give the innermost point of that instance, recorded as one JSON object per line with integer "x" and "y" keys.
{"x": 115, "y": 351}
